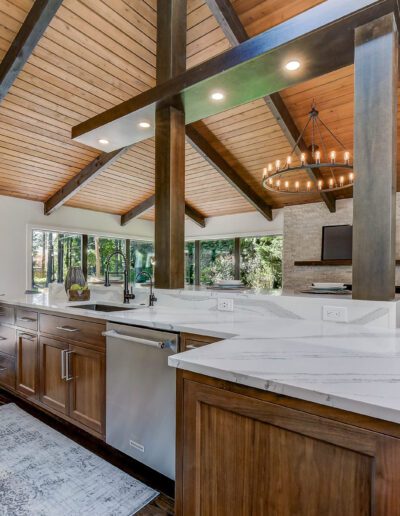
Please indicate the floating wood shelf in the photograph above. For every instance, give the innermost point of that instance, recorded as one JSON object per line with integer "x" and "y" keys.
{"x": 327, "y": 263}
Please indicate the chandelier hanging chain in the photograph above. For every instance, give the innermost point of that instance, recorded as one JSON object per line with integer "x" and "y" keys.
{"x": 325, "y": 150}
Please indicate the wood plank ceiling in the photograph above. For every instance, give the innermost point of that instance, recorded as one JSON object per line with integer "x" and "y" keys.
{"x": 98, "y": 53}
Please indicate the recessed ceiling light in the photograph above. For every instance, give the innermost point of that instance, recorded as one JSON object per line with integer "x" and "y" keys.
{"x": 292, "y": 65}
{"x": 103, "y": 141}
{"x": 217, "y": 95}
{"x": 144, "y": 125}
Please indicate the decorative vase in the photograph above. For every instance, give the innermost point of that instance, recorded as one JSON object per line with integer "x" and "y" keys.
{"x": 74, "y": 277}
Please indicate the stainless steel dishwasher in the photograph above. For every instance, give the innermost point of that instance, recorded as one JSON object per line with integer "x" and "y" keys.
{"x": 140, "y": 402}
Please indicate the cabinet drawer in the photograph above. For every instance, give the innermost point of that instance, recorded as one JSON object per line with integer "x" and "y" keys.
{"x": 190, "y": 341}
{"x": 7, "y": 371}
{"x": 7, "y": 340}
{"x": 73, "y": 329}
{"x": 7, "y": 315}
{"x": 27, "y": 319}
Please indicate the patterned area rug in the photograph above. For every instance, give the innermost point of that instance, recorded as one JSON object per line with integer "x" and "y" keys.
{"x": 43, "y": 473}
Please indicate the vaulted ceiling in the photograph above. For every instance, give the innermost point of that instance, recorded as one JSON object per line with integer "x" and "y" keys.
{"x": 98, "y": 53}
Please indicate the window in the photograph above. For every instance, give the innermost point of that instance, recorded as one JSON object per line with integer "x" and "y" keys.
{"x": 261, "y": 262}
{"x": 141, "y": 254}
{"x": 216, "y": 261}
{"x": 99, "y": 249}
{"x": 190, "y": 263}
{"x": 52, "y": 255}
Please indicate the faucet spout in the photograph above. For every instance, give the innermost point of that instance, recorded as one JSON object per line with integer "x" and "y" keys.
{"x": 152, "y": 297}
{"x": 127, "y": 295}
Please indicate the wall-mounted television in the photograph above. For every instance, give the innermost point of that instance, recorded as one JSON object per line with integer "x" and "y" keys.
{"x": 337, "y": 242}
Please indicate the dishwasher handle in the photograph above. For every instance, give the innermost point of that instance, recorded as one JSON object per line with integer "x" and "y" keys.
{"x": 137, "y": 340}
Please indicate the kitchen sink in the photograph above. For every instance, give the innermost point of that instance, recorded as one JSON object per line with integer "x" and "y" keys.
{"x": 97, "y": 307}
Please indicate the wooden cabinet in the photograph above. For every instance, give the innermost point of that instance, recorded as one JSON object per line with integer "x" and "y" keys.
{"x": 27, "y": 319}
{"x": 27, "y": 364}
{"x": 86, "y": 377}
{"x": 7, "y": 340}
{"x": 7, "y": 371}
{"x": 53, "y": 385}
{"x": 74, "y": 330}
{"x": 247, "y": 452}
{"x": 7, "y": 314}
{"x": 192, "y": 341}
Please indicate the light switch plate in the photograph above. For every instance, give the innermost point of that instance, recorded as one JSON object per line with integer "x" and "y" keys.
{"x": 334, "y": 313}
{"x": 225, "y": 304}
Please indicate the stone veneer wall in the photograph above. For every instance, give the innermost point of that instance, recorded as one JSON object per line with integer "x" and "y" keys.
{"x": 302, "y": 240}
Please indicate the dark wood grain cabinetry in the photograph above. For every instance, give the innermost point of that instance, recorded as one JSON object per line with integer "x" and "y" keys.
{"x": 27, "y": 364}
{"x": 192, "y": 341}
{"x": 242, "y": 451}
{"x": 56, "y": 362}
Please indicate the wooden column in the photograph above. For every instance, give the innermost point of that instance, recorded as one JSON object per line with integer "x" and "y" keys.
{"x": 85, "y": 241}
{"x": 197, "y": 262}
{"x": 375, "y": 141}
{"x": 170, "y": 150}
{"x": 236, "y": 255}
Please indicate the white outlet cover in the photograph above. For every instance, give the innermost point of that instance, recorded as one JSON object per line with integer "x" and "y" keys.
{"x": 334, "y": 313}
{"x": 225, "y": 304}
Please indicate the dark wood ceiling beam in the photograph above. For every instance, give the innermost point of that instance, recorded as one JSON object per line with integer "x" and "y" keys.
{"x": 136, "y": 211}
{"x": 148, "y": 203}
{"x": 32, "y": 29}
{"x": 235, "y": 32}
{"x": 87, "y": 174}
{"x": 207, "y": 151}
{"x": 253, "y": 69}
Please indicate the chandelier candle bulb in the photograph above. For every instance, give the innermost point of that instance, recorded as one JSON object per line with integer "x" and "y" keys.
{"x": 319, "y": 185}
{"x": 308, "y": 186}
{"x": 278, "y": 184}
{"x": 347, "y": 157}
{"x": 302, "y": 158}
{"x": 297, "y": 186}
{"x": 270, "y": 168}
{"x": 265, "y": 173}
{"x": 331, "y": 183}
{"x": 278, "y": 164}
{"x": 287, "y": 185}
{"x": 289, "y": 161}
{"x": 341, "y": 181}
{"x": 351, "y": 177}
{"x": 333, "y": 156}
{"x": 318, "y": 157}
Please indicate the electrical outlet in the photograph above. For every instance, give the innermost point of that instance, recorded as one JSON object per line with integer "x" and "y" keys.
{"x": 225, "y": 304}
{"x": 334, "y": 313}
{"x": 136, "y": 445}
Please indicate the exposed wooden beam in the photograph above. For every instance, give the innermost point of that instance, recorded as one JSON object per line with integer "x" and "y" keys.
{"x": 136, "y": 211}
{"x": 169, "y": 238}
{"x": 148, "y": 203}
{"x": 195, "y": 215}
{"x": 375, "y": 160}
{"x": 205, "y": 149}
{"x": 21, "y": 48}
{"x": 247, "y": 72}
{"x": 236, "y": 33}
{"x": 87, "y": 174}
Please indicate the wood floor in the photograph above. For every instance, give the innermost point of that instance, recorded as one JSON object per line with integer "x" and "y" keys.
{"x": 163, "y": 505}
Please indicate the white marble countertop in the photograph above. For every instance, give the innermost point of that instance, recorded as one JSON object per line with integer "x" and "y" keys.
{"x": 353, "y": 367}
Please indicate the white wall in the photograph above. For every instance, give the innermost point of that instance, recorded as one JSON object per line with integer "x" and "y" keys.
{"x": 242, "y": 224}
{"x": 18, "y": 216}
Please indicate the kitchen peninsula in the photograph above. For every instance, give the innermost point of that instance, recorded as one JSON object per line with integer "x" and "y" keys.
{"x": 276, "y": 395}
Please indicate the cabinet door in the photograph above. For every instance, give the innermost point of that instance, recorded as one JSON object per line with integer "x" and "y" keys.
{"x": 53, "y": 387}
{"x": 27, "y": 364}
{"x": 86, "y": 377}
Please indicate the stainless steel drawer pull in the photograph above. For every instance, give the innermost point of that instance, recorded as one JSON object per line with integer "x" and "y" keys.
{"x": 26, "y": 319}
{"x": 63, "y": 365}
{"x": 70, "y": 329}
{"x": 68, "y": 377}
{"x": 137, "y": 340}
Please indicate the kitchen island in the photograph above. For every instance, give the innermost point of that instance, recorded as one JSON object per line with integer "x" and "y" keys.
{"x": 284, "y": 415}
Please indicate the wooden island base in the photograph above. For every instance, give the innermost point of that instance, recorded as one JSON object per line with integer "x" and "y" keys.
{"x": 242, "y": 452}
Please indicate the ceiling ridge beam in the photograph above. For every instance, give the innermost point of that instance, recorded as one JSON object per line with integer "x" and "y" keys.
{"x": 236, "y": 34}
{"x": 32, "y": 29}
{"x": 82, "y": 178}
{"x": 148, "y": 203}
{"x": 210, "y": 154}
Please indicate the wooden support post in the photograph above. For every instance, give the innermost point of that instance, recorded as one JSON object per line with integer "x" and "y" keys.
{"x": 197, "y": 262}
{"x": 237, "y": 259}
{"x": 85, "y": 241}
{"x": 375, "y": 144}
{"x": 170, "y": 150}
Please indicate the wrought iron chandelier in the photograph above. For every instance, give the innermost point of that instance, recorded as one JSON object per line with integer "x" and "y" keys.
{"x": 277, "y": 178}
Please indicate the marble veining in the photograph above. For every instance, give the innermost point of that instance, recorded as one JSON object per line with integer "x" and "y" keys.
{"x": 276, "y": 344}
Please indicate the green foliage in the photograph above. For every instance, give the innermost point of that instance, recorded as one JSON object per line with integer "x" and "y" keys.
{"x": 261, "y": 260}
